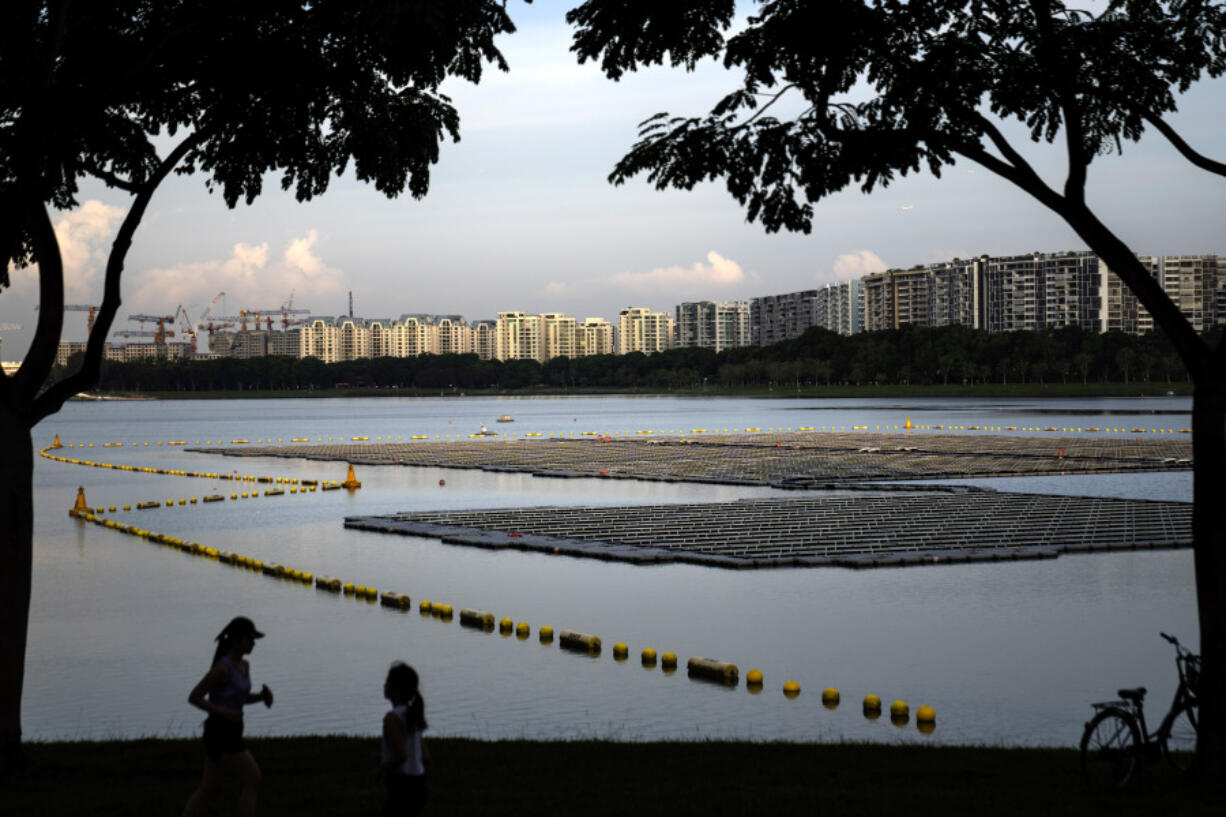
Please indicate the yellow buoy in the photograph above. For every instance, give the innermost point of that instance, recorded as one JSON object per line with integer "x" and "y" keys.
{"x": 754, "y": 677}
{"x": 505, "y": 625}
{"x": 925, "y": 714}
{"x": 620, "y": 650}
{"x": 872, "y": 703}
{"x": 424, "y": 606}
{"x": 545, "y": 634}
{"x": 351, "y": 481}
{"x": 668, "y": 660}
{"x": 830, "y": 695}
{"x": 791, "y": 689}
{"x": 899, "y": 709}
{"x": 648, "y": 657}
{"x": 522, "y": 630}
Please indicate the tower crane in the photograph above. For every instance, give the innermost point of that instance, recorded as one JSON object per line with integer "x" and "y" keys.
{"x": 186, "y": 330}
{"x": 160, "y": 335}
{"x": 92, "y": 310}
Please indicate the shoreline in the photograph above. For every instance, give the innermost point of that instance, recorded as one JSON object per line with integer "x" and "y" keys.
{"x": 326, "y": 775}
{"x": 979, "y": 390}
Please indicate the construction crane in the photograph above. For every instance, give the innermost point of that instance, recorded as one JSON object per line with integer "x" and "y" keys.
{"x": 209, "y": 309}
{"x": 186, "y": 330}
{"x": 92, "y": 310}
{"x": 160, "y": 335}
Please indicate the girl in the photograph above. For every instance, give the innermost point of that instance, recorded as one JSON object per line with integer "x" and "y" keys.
{"x": 222, "y": 693}
{"x": 404, "y": 754}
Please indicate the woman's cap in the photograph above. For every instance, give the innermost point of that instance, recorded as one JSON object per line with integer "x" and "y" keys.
{"x": 241, "y": 627}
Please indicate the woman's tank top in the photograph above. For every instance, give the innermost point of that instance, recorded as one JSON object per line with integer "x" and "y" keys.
{"x": 234, "y": 692}
{"x": 412, "y": 749}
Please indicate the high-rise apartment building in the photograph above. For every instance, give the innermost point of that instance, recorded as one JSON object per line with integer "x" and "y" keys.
{"x": 837, "y": 307}
{"x": 896, "y": 297}
{"x": 558, "y": 336}
{"x": 517, "y": 336}
{"x": 594, "y": 337}
{"x": 1042, "y": 290}
{"x": 715, "y": 325}
{"x": 1121, "y": 311}
{"x": 485, "y": 337}
{"x": 641, "y": 330}
{"x": 1193, "y": 282}
{"x": 452, "y": 336}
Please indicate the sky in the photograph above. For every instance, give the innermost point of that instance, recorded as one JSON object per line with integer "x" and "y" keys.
{"x": 520, "y": 215}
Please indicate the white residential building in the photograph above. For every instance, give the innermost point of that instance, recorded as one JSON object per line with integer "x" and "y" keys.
{"x": 715, "y": 325}
{"x": 641, "y": 330}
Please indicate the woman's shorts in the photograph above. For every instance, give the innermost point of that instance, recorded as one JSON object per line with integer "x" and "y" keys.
{"x": 223, "y": 737}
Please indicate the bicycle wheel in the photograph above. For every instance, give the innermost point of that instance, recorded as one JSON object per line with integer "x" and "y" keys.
{"x": 1110, "y": 749}
{"x": 1178, "y": 736}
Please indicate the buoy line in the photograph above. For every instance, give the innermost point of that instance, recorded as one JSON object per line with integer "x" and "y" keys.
{"x": 720, "y": 672}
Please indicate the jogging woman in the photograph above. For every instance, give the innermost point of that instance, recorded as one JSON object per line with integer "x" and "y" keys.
{"x": 222, "y": 693}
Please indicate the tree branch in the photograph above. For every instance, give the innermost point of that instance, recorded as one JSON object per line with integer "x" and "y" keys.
{"x": 775, "y": 98}
{"x": 1203, "y": 162}
{"x": 41, "y": 355}
{"x": 111, "y": 179}
{"x": 1074, "y": 133}
{"x": 53, "y": 398}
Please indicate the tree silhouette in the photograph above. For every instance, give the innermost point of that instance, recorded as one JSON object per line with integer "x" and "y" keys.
{"x": 939, "y": 77}
{"x": 130, "y": 91}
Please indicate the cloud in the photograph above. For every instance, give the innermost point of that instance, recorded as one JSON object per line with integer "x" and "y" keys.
{"x": 299, "y": 256}
{"x": 559, "y": 288}
{"x": 854, "y": 264}
{"x": 248, "y": 277}
{"x": 85, "y": 237}
{"x": 718, "y": 272}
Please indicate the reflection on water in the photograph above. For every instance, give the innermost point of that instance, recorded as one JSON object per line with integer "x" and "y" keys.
{"x": 121, "y": 629}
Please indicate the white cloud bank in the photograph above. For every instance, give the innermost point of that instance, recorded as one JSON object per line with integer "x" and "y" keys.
{"x": 854, "y": 264}
{"x": 717, "y": 272}
{"x": 701, "y": 280}
{"x": 248, "y": 277}
{"x": 85, "y": 237}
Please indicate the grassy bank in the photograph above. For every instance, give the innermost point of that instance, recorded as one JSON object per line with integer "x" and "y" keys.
{"x": 332, "y": 775}
{"x": 899, "y": 392}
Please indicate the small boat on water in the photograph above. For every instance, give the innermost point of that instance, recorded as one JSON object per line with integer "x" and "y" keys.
{"x": 485, "y": 432}
{"x": 506, "y": 418}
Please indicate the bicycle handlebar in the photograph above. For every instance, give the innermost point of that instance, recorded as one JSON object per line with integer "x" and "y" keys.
{"x": 1170, "y": 638}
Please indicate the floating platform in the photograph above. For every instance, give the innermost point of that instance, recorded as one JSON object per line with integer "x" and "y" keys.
{"x": 796, "y": 460}
{"x": 858, "y": 529}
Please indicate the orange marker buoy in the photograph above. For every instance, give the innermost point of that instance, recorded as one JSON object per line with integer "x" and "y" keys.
{"x": 908, "y": 425}
{"x": 351, "y": 481}
{"x": 56, "y": 444}
{"x": 80, "y": 507}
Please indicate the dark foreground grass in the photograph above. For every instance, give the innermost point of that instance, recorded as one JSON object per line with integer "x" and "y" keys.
{"x": 332, "y": 776}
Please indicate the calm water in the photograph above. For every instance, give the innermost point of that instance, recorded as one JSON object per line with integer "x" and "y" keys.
{"x": 1007, "y": 653}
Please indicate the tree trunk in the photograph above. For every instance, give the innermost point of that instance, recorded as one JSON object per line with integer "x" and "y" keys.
{"x": 1209, "y": 538}
{"x": 16, "y": 553}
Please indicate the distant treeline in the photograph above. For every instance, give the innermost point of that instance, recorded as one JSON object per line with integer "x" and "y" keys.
{"x": 910, "y": 355}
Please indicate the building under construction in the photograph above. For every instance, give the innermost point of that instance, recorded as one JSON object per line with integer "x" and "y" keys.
{"x": 255, "y": 343}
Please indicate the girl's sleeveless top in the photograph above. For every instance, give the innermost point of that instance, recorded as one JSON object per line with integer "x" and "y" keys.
{"x": 413, "y": 761}
{"x": 235, "y": 691}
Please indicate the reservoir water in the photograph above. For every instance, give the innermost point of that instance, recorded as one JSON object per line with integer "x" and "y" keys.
{"x": 1007, "y": 653}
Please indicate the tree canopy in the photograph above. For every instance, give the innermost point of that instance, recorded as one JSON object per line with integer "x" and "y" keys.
{"x": 129, "y": 91}
{"x": 860, "y": 92}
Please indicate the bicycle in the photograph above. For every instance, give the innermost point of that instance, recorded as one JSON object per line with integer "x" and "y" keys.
{"x": 1116, "y": 739}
